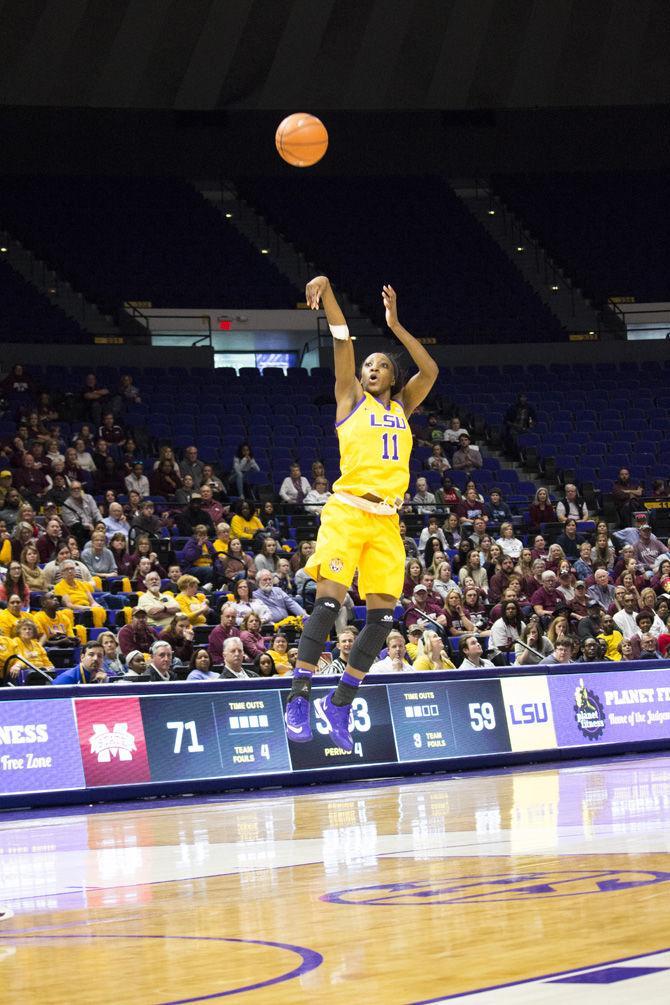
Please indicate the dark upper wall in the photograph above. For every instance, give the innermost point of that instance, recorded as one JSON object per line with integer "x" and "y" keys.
{"x": 334, "y": 54}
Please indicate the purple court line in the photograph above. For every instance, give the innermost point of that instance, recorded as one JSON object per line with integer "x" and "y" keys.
{"x": 310, "y": 959}
{"x": 540, "y": 977}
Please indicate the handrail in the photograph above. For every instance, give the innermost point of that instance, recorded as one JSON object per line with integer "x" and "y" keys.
{"x": 144, "y": 318}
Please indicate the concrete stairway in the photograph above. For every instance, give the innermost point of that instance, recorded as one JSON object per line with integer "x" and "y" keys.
{"x": 59, "y": 291}
{"x": 554, "y": 287}
{"x": 287, "y": 257}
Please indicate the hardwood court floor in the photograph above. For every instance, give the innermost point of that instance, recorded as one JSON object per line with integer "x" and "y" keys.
{"x": 531, "y": 885}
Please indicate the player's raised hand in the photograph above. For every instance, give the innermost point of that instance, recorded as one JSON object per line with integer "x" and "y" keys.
{"x": 315, "y": 290}
{"x": 390, "y": 305}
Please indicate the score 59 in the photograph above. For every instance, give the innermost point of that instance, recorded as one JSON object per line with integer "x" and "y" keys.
{"x": 482, "y": 715}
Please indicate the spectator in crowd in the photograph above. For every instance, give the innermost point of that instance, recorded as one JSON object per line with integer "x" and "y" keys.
{"x": 508, "y": 628}
{"x": 520, "y": 416}
{"x": 110, "y": 431}
{"x": 279, "y": 603}
{"x": 570, "y": 540}
{"x": 15, "y": 582}
{"x": 532, "y": 645}
{"x": 160, "y": 607}
{"x": 95, "y": 398}
{"x": 193, "y": 466}
{"x": 211, "y": 506}
{"x": 447, "y": 496}
{"x": 499, "y": 582}
{"x": 244, "y": 603}
{"x": 195, "y": 605}
{"x": 468, "y": 457}
{"x": 147, "y": 523}
{"x": 53, "y": 571}
{"x": 252, "y": 640}
{"x": 470, "y": 507}
{"x": 545, "y": 600}
{"x": 55, "y": 624}
{"x": 648, "y": 646}
{"x": 27, "y": 649}
{"x": 571, "y": 505}
{"x": 626, "y": 618}
{"x": 471, "y": 650}
{"x": 137, "y": 634}
{"x": 246, "y": 523}
{"x": 432, "y": 530}
{"x": 98, "y": 558}
{"x": 89, "y": 670}
{"x": 31, "y": 481}
{"x": 453, "y": 431}
{"x": 200, "y": 667}
{"x": 611, "y": 638}
{"x": 295, "y": 487}
{"x": 395, "y": 660}
{"x": 627, "y": 495}
{"x": 137, "y": 481}
{"x": 83, "y": 458}
{"x": 159, "y": 667}
{"x": 77, "y": 595}
{"x": 648, "y": 547}
{"x": 278, "y": 650}
{"x": 317, "y": 496}
{"x": 345, "y": 641}
{"x": 237, "y": 564}
{"x": 200, "y": 558}
{"x": 431, "y": 654}
{"x": 602, "y": 591}
{"x": 437, "y": 460}
{"x": 591, "y": 651}
{"x": 562, "y": 651}
{"x": 423, "y": 500}
{"x": 226, "y": 629}
{"x": 509, "y": 544}
{"x": 49, "y": 543}
{"x": 267, "y": 557}
{"x": 243, "y": 464}
{"x": 112, "y": 663}
{"x": 164, "y": 481}
{"x": 80, "y": 512}
{"x": 498, "y": 509}
{"x": 180, "y": 634}
{"x": 136, "y": 664}
{"x": 233, "y": 659}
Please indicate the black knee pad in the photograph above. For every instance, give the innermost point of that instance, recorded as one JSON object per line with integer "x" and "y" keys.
{"x": 365, "y": 649}
{"x": 317, "y": 629}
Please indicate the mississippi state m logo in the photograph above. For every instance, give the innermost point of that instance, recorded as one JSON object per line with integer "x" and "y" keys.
{"x": 117, "y": 742}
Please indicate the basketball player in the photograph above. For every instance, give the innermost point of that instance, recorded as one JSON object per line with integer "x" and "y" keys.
{"x": 359, "y": 522}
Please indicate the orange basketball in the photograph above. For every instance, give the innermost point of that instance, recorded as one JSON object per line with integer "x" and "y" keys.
{"x": 301, "y": 139}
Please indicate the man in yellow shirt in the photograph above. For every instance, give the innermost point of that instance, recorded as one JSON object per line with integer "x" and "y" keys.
{"x": 78, "y": 596}
{"x": 56, "y": 623}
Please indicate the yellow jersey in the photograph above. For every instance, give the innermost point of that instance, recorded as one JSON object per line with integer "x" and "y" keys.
{"x": 375, "y": 445}
{"x": 61, "y": 624}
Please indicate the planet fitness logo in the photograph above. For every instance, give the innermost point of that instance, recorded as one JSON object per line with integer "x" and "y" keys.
{"x": 589, "y": 712}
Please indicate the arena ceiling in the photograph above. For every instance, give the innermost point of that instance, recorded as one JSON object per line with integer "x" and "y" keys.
{"x": 334, "y": 54}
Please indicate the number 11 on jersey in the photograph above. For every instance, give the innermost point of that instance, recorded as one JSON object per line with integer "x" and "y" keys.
{"x": 386, "y": 454}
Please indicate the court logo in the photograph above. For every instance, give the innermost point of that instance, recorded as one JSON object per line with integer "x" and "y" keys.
{"x": 589, "y": 712}
{"x": 117, "y": 742}
{"x": 336, "y": 565}
{"x": 496, "y": 888}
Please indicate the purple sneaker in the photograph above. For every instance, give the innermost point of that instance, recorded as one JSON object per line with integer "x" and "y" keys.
{"x": 296, "y": 717}
{"x": 337, "y": 719}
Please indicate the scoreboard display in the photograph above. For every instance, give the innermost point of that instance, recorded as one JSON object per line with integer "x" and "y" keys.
{"x": 85, "y": 741}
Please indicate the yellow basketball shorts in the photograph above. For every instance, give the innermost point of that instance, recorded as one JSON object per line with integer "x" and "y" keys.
{"x": 350, "y": 539}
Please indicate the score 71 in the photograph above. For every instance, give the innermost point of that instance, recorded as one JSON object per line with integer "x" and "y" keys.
{"x": 180, "y": 728}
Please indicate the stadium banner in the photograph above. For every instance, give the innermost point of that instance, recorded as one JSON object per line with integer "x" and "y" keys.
{"x": 613, "y": 707}
{"x": 39, "y": 750}
{"x": 137, "y": 740}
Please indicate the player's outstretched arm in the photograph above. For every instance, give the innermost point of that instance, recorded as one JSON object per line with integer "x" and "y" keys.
{"x": 348, "y": 389}
{"x": 418, "y": 386}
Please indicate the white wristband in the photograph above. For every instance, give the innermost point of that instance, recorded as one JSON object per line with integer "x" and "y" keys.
{"x": 340, "y": 332}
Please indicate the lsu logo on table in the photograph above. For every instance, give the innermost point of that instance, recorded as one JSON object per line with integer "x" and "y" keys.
{"x": 535, "y": 885}
{"x": 529, "y": 714}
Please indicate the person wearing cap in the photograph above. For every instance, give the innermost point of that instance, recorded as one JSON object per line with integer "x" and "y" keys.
{"x": 590, "y": 624}
{"x": 159, "y": 667}
{"x": 414, "y": 633}
{"x": 648, "y": 548}
{"x": 136, "y": 664}
{"x": 419, "y": 606}
{"x": 137, "y": 635}
{"x": 579, "y": 603}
